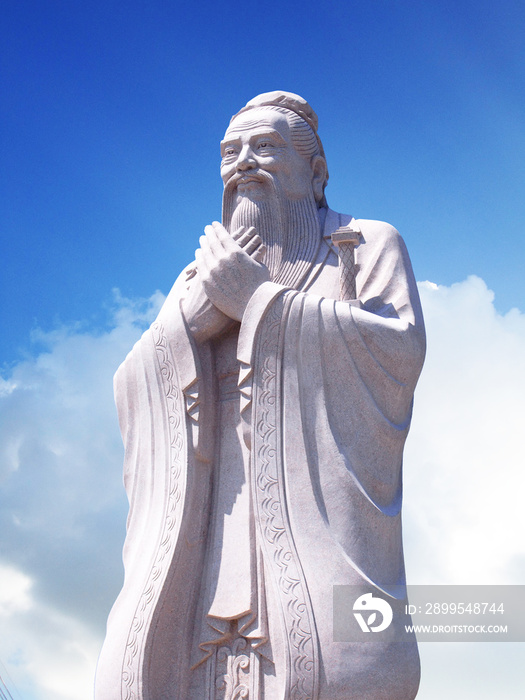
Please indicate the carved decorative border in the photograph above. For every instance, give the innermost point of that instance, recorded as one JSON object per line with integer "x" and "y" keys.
{"x": 281, "y": 556}
{"x": 132, "y": 669}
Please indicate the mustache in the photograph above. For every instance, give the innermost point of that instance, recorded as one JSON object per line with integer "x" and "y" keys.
{"x": 255, "y": 174}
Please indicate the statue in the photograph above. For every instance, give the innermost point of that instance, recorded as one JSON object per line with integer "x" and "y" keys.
{"x": 264, "y": 415}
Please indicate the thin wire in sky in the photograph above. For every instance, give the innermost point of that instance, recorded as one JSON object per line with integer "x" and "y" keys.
{"x": 5, "y": 693}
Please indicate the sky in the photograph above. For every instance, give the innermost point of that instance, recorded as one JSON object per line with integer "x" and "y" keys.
{"x": 111, "y": 115}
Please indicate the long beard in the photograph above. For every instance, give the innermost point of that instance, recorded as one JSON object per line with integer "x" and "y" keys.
{"x": 289, "y": 229}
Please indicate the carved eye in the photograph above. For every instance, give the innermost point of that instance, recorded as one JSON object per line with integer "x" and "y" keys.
{"x": 229, "y": 152}
{"x": 264, "y": 144}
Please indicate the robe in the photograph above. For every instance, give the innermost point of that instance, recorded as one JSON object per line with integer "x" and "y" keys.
{"x": 263, "y": 469}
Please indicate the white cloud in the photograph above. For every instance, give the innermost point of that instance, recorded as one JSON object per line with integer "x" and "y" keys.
{"x": 464, "y": 475}
{"x": 64, "y": 509}
{"x": 48, "y": 654}
{"x": 63, "y": 505}
{"x": 14, "y": 591}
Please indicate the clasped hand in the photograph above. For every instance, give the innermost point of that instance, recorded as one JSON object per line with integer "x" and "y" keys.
{"x": 230, "y": 270}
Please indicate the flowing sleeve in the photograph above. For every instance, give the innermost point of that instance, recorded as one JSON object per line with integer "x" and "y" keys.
{"x": 165, "y": 413}
{"x": 346, "y": 379}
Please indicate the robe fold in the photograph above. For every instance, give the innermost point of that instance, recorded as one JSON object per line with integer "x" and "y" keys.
{"x": 262, "y": 469}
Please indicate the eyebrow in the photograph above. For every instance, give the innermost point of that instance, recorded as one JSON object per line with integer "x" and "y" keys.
{"x": 257, "y": 133}
{"x": 227, "y": 142}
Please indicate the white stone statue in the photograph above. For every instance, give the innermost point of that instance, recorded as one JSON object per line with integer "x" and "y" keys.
{"x": 264, "y": 415}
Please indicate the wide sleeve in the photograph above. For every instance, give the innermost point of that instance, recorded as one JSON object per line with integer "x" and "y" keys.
{"x": 167, "y": 429}
{"x": 382, "y": 333}
{"x": 343, "y": 393}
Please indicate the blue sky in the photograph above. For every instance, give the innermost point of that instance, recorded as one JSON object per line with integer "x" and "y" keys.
{"x": 111, "y": 117}
{"x": 112, "y": 113}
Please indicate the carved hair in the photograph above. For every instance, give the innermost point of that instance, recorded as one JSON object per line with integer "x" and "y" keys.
{"x": 301, "y": 119}
{"x": 303, "y": 137}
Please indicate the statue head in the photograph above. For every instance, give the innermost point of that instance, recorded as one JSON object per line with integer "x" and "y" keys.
{"x": 276, "y": 132}
{"x": 274, "y": 173}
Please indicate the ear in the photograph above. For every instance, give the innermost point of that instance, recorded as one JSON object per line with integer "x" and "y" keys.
{"x": 319, "y": 172}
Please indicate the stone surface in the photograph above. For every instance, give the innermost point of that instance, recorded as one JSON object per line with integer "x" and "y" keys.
{"x": 264, "y": 419}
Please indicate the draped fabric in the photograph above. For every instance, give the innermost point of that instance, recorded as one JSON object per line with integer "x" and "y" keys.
{"x": 250, "y": 501}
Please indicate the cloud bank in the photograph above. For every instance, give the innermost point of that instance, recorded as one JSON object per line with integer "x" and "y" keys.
{"x": 465, "y": 455}
{"x": 63, "y": 507}
{"x": 464, "y": 477}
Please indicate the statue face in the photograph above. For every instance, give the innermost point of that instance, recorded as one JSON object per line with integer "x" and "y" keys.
{"x": 260, "y": 140}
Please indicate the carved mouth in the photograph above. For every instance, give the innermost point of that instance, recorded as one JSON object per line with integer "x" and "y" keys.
{"x": 245, "y": 179}
{"x": 241, "y": 180}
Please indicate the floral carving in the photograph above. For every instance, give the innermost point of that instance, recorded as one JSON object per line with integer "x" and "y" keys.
{"x": 232, "y": 675}
{"x": 270, "y": 500}
{"x": 131, "y": 673}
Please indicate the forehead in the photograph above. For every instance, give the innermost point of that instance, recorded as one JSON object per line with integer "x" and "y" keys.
{"x": 258, "y": 121}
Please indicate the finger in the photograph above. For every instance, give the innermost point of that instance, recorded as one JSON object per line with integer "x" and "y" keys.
{"x": 223, "y": 237}
{"x": 213, "y": 244}
{"x": 253, "y": 244}
{"x": 248, "y": 232}
{"x": 238, "y": 233}
{"x": 206, "y": 256}
{"x": 260, "y": 253}
{"x": 199, "y": 262}
{"x": 204, "y": 244}
{"x": 246, "y": 237}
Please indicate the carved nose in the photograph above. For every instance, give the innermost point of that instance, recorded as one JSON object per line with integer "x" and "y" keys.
{"x": 245, "y": 161}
